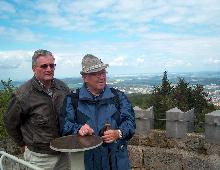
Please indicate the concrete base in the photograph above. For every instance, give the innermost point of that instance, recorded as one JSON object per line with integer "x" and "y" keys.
{"x": 77, "y": 160}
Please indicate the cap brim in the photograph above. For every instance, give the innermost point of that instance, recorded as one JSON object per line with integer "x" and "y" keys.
{"x": 95, "y": 70}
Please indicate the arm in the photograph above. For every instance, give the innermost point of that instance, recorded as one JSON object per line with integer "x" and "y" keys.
{"x": 127, "y": 122}
{"x": 12, "y": 120}
{"x": 127, "y": 125}
{"x": 67, "y": 118}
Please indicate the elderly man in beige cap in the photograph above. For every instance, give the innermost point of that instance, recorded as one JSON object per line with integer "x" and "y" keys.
{"x": 96, "y": 109}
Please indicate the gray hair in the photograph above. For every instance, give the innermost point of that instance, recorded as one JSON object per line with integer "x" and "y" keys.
{"x": 39, "y": 53}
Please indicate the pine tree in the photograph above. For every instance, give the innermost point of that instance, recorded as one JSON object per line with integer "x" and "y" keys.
{"x": 161, "y": 100}
{"x": 166, "y": 88}
{"x": 182, "y": 95}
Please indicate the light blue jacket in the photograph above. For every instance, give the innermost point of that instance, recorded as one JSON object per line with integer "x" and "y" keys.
{"x": 96, "y": 111}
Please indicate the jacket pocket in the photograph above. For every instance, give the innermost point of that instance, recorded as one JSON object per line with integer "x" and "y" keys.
{"x": 40, "y": 121}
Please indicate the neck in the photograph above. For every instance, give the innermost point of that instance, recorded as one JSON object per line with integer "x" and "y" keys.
{"x": 46, "y": 83}
{"x": 93, "y": 91}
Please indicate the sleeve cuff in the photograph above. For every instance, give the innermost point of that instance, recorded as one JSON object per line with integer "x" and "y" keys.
{"x": 119, "y": 133}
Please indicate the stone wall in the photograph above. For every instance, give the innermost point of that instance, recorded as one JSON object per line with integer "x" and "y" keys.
{"x": 156, "y": 151}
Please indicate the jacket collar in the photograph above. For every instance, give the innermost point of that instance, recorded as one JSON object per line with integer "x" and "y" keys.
{"x": 38, "y": 85}
{"x": 84, "y": 94}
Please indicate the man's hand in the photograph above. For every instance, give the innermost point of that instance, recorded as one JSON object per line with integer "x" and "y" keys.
{"x": 110, "y": 136}
{"x": 86, "y": 130}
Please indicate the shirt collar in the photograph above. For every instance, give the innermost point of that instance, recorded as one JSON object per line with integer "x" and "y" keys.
{"x": 94, "y": 96}
{"x": 48, "y": 91}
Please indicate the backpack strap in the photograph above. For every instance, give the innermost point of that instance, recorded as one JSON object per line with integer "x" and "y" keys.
{"x": 80, "y": 117}
{"x": 75, "y": 98}
{"x": 116, "y": 102}
{"x": 116, "y": 97}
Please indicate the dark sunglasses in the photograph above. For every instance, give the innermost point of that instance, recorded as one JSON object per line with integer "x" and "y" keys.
{"x": 44, "y": 66}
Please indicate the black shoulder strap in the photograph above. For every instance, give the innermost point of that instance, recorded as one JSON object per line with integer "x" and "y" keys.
{"x": 75, "y": 98}
{"x": 116, "y": 98}
{"x": 116, "y": 101}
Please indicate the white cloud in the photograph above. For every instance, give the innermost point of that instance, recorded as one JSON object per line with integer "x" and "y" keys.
{"x": 140, "y": 61}
{"x": 212, "y": 61}
{"x": 136, "y": 15}
{"x": 15, "y": 64}
{"x": 119, "y": 61}
{"x": 24, "y": 35}
{"x": 14, "y": 59}
{"x": 177, "y": 63}
{"x": 126, "y": 33}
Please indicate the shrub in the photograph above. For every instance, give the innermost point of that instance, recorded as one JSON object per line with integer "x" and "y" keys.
{"x": 5, "y": 94}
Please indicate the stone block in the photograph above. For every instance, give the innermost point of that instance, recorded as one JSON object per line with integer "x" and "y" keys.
{"x": 143, "y": 126}
{"x": 179, "y": 123}
{"x": 212, "y": 127}
{"x": 144, "y": 120}
{"x": 176, "y": 129}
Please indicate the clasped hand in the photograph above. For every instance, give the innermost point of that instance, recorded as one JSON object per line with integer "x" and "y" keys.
{"x": 86, "y": 130}
{"x": 109, "y": 135}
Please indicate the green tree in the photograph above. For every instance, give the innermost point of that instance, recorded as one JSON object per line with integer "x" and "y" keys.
{"x": 182, "y": 95}
{"x": 162, "y": 101}
{"x": 201, "y": 106}
{"x": 4, "y": 99}
{"x": 143, "y": 101}
{"x": 165, "y": 88}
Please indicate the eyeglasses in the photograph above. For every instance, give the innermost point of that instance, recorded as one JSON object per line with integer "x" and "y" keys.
{"x": 99, "y": 74}
{"x": 44, "y": 66}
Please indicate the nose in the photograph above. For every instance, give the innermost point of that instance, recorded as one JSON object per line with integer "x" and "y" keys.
{"x": 48, "y": 68}
{"x": 102, "y": 76}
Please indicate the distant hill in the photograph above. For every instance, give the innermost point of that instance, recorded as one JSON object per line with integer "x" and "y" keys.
{"x": 141, "y": 80}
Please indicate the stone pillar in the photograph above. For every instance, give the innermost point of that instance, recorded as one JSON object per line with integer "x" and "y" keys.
{"x": 190, "y": 118}
{"x": 178, "y": 123}
{"x": 212, "y": 127}
{"x": 144, "y": 120}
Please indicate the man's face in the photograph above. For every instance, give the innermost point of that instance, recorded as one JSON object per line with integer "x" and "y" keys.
{"x": 44, "y": 68}
{"x": 95, "y": 81}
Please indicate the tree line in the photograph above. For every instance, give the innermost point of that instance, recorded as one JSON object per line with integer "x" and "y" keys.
{"x": 181, "y": 95}
{"x": 164, "y": 97}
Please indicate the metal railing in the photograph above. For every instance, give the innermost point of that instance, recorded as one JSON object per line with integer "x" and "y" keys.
{"x": 17, "y": 160}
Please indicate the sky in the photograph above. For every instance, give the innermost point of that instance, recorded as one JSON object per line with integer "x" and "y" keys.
{"x": 132, "y": 36}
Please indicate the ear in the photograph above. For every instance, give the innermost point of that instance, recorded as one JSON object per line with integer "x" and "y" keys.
{"x": 85, "y": 78}
{"x": 34, "y": 68}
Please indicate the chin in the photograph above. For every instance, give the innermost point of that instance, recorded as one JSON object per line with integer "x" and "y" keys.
{"x": 49, "y": 78}
{"x": 101, "y": 87}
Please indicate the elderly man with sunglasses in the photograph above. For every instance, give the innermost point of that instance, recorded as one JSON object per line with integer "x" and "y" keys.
{"x": 102, "y": 111}
{"x": 33, "y": 112}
